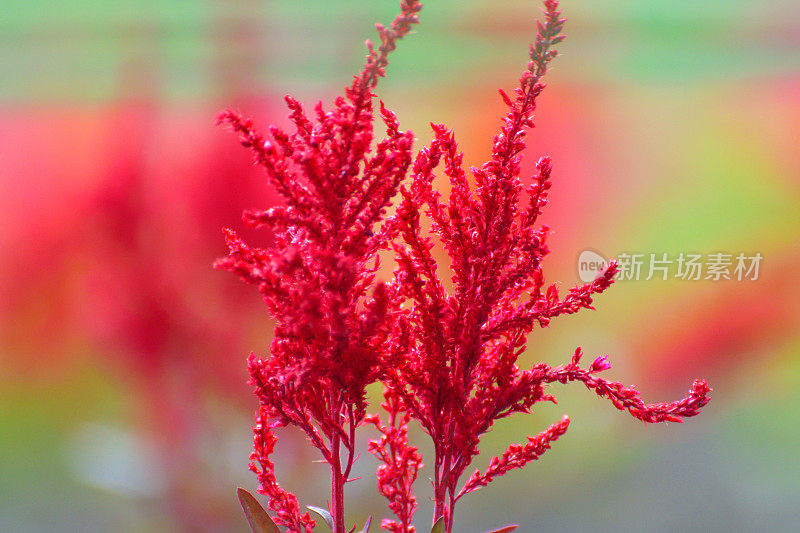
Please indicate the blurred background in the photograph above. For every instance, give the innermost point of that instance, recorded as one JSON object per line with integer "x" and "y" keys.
{"x": 673, "y": 126}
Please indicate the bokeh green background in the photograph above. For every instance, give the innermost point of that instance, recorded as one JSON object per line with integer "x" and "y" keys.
{"x": 674, "y": 127}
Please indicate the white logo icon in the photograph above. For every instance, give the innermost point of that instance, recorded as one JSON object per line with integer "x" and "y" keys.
{"x": 590, "y": 264}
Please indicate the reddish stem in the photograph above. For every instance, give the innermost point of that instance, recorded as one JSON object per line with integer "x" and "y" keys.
{"x": 337, "y": 480}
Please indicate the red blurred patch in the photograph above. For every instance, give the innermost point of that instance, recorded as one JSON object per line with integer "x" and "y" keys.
{"x": 722, "y": 323}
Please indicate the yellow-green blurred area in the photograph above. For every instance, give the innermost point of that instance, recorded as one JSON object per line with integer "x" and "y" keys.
{"x": 674, "y": 127}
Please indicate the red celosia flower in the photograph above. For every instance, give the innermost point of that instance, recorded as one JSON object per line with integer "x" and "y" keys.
{"x": 284, "y": 503}
{"x": 401, "y": 463}
{"x": 318, "y": 277}
{"x": 452, "y": 363}
{"x": 516, "y": 456}
{"x": 448, "y": 361}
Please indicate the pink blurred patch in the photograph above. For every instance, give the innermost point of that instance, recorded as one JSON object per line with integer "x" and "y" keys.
{"x": 114, "y": 219}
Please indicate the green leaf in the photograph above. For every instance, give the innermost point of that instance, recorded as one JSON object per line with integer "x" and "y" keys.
{"x": 367, "y": 524}
{"x": 438, "y": 527}
{"x": 257, "y": 517}
{"x": 324, "y": 514}
{"x": 506, "y": 529}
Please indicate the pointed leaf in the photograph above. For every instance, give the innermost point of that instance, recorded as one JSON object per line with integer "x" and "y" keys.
{"x": 367, "y": 524}
{"x": 438, "y": 527}
{"x": 324, "y": 514}
{"x": 506, "y": 529}
{"x": 257, "y": 517}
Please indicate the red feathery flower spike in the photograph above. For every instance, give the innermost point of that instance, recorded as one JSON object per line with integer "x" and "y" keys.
{"x": 452, "y": 363}
{"x": 318, "y": 277}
